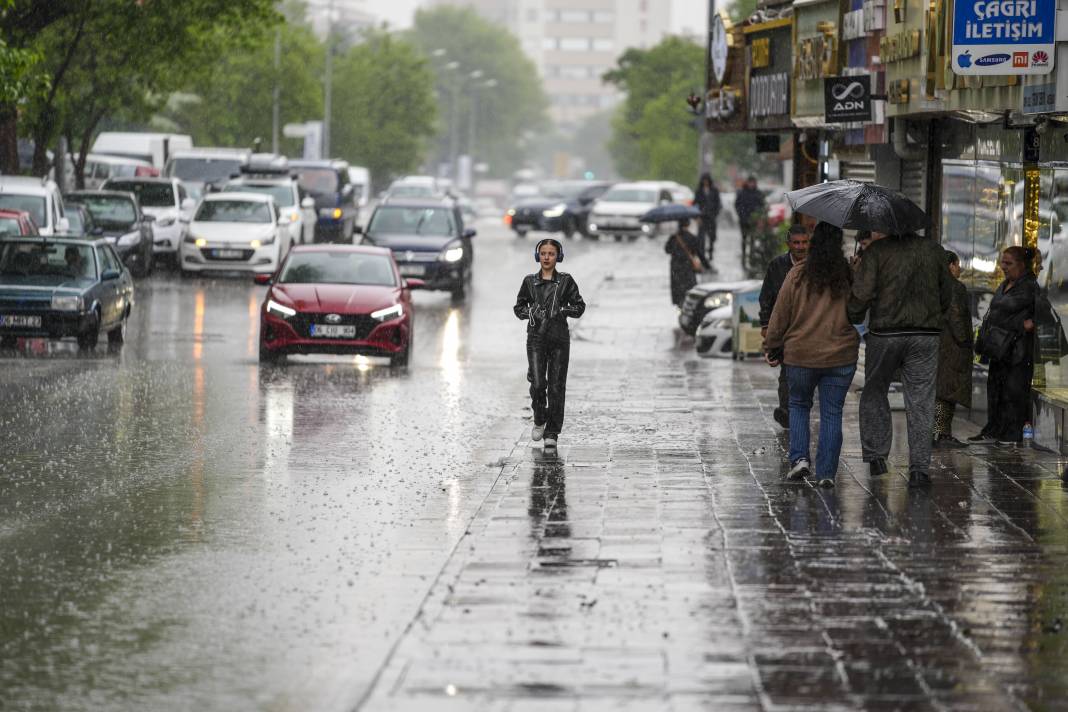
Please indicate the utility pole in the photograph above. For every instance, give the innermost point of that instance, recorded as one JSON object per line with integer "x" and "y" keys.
{"x": 328, "y": 89}
{"x": 276, "y": 99}
{"x": 704, "y": 140}
{"x": 454, "y": 117}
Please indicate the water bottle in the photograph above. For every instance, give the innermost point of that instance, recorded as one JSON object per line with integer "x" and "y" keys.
{"x": 1028, "y": 434}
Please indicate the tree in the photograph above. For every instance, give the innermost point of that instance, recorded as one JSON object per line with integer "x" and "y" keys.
{"x": 384, "y": 106}
{"x": 514, "y": 108}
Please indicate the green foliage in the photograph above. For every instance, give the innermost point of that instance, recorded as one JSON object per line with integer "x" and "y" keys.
{"x": 19, "y": 78}
{"x": 653, "y": 136}
{"x": 384, "y": 108}
{"x": 506, "y": 113}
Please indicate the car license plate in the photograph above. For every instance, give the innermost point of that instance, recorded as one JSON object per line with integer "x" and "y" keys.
{"x": 333, "y": 331}
{"x": 412, "y": 270}
{"x": 229, "y": 254}
{"x": 16, "y": 320}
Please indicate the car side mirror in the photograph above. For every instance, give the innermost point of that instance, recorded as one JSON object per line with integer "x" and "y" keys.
{"x": 188, "y": 204}
{"x": 307, "y": 203}
{"x": 149, "y": 218}
{"x": 414, "y": 283}
{"x": 63, "y": 225}
{"x": 470, "y": 232}
{"x": 358, "y": 229}
{"x": 263, "y": 278}
{"x": 97, "y": 231}
{"x": 110, "y": 274}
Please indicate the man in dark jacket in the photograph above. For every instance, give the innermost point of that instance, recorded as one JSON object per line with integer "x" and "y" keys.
{"x": 904, "y": 281}
{"x": 748, "y": 204}
{"x": 546, "y": 298}
{"x": 797, "y": 249}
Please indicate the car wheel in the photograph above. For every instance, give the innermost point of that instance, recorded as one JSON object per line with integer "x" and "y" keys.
{"x": 568, "y": 228}
{"x": 459, "y": 292}
{"x": 520, "y": 232}
{"x": 269, "y": 356}
{"x": 703, "y": 344}
{"x": 402, "y": 359}
{"x": 9, "y": 342}
{"x": 87, "y": 340}
{"x": 117, "y": 336}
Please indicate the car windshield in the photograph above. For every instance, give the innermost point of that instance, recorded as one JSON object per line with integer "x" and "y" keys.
{"x": 629, "y": 195}
{"x": 108, "y": 210}
{"x": 203, "y": 170}
{"x": 318, "y": 180}
{"x": 396, "y": 220}
{"x": 282, "y": 194}
{"x": 338, "y": 268}
{"x": 150, "y": 195}
{"x": 412, "y": 191}
{"x": 9, "y": 226}
{"x": 51, "y": 263}
{"x": 77, "y": 225}
{"x": 32, "y": 204}
{"x": 234, "y": 211}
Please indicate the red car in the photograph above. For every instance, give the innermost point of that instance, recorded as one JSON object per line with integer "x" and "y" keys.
{"x": 17, "y": 222}
{"x": 337, "y": 299}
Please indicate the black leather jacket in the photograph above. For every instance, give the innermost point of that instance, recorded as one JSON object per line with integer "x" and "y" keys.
{"x": 546, "y": 304}
{"x": 1010, "y": 309}
{"x": 778, "y": 268}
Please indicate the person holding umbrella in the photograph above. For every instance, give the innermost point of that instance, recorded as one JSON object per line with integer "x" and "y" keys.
{"x": 687, "y": 260}
{"x": 903, "y": 286}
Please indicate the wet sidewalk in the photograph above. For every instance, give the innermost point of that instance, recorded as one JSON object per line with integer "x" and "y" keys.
{"x": 660, "y": 561}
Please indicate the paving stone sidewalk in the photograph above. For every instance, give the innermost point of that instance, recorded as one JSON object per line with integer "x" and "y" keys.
{"x": 660, "y": 561}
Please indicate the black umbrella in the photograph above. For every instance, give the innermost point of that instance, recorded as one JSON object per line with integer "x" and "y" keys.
{"x": 859, "y": 206}
{"x": 672, "y": 212}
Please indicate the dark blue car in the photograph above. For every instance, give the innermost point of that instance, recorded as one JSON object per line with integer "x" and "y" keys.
{"x": 63, "y": 287}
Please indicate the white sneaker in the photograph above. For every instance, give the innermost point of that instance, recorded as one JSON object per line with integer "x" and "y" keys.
{"x": 550, "y": 443}
{"x": 536, "y": 432}
{"x": 799, "y": 471}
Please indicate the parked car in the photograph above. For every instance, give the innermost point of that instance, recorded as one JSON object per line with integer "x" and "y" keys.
{"x": 680, "y": 193}
{"x": 99, "y": 168}
{"x": 708, "y": 296}
{"x": 124, "y": 225}
{"x": 234, "y": 232}
{"x": 17, "y": 223}
{"x": 428, "y": 240}
{"x": 525, "y": 215}
{"x": 715, "y": 335}
{"x": 40, "y": 198}
{"x": 327, "y": 182}
{"x": 166, "y": 200}
{"x": 348, "y": 299}
{"x": 81, "y": 222}
{"x": 617, "y": 211}
{"x": 278, "y": 181}
{"x": 62, "y": 287}
{"x": 572, "y": 214}
{"x": 201, "y": 169}
{"x": 155, "y": 148}
{"x": 360, "y": 178}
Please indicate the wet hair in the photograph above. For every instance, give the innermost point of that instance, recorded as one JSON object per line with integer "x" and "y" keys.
{"x": 1026, "y": 255}
{"x": 826, "y": 267}
{"x": 684, "y": 223}
{"x": 863, "y": 235}
{"x": 952, "y": 257}
{"x": 796, "y": 229}
{"x": 705, "y": 177}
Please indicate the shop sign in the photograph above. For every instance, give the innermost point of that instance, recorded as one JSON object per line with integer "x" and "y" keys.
{"x": 760, "y": 53}
{"x": 721, "y": 103}
{"x": 897, "y": 91}
{"x": 1040, "y": 99}
{"x": 853, "y": 25}
{"x": 1003, "y": 37}
{"x": 899, "y": 46}
{"x": 847, "y": 99}
{"x": 719, "y": 48}
{"x": 816, "y": 57}
{"x": 769, "y": 95}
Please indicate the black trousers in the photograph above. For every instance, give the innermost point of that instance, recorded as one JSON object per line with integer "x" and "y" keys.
{"x": 1008, "y": 399}
{"x": 547, "y": 373}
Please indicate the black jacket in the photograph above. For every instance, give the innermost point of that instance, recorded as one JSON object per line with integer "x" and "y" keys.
{"x": 1010, "y": 309}
{"x": 748, "y": 202}
{"x": 546, "y": 304}
{"x": 778, "y": 268}
{"x": 708, "y": 202}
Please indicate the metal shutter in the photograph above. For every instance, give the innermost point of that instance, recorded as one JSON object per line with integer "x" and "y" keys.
{"x": 863, "y": 171}
{"x": 914, "y": 181}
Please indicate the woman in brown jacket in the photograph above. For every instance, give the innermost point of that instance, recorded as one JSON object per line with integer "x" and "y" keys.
{"x": 810, "y": 334}
{"x": 954, "y": 384}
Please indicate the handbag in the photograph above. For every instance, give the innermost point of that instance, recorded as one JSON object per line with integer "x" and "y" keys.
{"x": 695, "y": 261}
{"x": 995, "y": 342}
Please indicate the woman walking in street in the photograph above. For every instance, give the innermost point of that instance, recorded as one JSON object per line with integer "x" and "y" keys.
{"x": 1005, "y": 341}
{"x": 810, "y": 335}
{"x": 954, "y": 381}
{"x": 687, "y": 259}
{"x": 706, "y": 199}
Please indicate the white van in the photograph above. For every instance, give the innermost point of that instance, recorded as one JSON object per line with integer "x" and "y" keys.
{"x": 360, "y": 178}
{"x": 155, "y": 148}
{"x": 196, "y": 167}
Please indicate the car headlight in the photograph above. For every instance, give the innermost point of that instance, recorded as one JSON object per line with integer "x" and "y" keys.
{"x": 281, "y": 310}
{"x": 511, "y": 212}
{"x": 256, "y": 244}
{"x": 647, "y": 227}
{"x": 592, "y": 227}
{"x": 333, "y": 213}
{"x": 66, "y": 303}
{"x": 453, "y": 254}
{"x": 130, "y": 238}
{"x": 555, "y": 211}
{"x": 715, "y": 301}
{"x": 394, "y": 312}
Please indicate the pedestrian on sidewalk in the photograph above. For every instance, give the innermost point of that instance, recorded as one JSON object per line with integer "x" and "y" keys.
{"x": 749, "y": 205}
{"x": 797, "y": 248}
{"x": 1005, "y": 343}
{"x": 811, "y": 336}
{"x": 545, "y": 300}
{"x": 904, "y": 282}
{"x": 687, "y": 261}
{"x": 706, "y": 199}
{"x": 954, "y": 382}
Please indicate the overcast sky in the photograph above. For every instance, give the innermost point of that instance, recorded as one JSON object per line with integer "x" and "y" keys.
{"x": 685, "y": 15}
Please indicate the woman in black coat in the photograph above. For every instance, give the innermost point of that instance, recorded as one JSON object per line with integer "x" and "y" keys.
{"x": 683, "y": 246}
{"x": 1008, "y": 387}
{"x": 706, "y": 199}
{"x": 954, "y": 381}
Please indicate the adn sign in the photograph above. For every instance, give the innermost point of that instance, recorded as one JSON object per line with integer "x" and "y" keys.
{"x": 847, "y": 99}
{"x": 999, "y": 37}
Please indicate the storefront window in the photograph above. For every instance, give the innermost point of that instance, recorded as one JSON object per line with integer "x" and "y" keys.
{"x": 1051, "y": 361}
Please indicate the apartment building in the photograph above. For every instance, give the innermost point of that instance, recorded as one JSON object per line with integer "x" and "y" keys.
{"x": 574, "y": 42}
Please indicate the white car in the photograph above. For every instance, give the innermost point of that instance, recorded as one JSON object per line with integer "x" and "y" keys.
{"x": 617, "y": 211}
{"x": 235, "y": 231}
{"x": 415, "y": 187}
{"x": 40, "y": 198}
{"x": 679, "y": 193}
{"x": 167, "y": 201}
{"x": 360, "y": 178}
{"x": 298, "y": 213}
{"x": 100, "y": 168}
{"x": 197, "y": 167}
{"x": 714, "y": 338}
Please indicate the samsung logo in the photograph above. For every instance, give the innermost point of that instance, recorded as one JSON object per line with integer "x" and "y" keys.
{"x": 992, "y": 59}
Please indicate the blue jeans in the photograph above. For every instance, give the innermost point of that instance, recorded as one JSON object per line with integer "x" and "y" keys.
{"x": 833, "y": 384}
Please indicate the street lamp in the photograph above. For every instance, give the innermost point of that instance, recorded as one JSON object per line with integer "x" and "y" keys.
{"x": 475, "y": 97}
